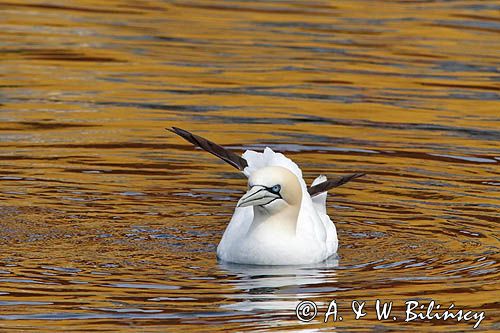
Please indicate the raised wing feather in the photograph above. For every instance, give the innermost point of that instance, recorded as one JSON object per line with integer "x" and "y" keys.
{"x": 319, "y": 201}
{"x": 329, "y": 184}
{"x": 229, "y": 157}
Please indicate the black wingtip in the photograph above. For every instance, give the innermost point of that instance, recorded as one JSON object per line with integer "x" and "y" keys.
{"x": 229, "y": 157}
{"x": 329, "y": 184}
{"x": 176, "y": 130}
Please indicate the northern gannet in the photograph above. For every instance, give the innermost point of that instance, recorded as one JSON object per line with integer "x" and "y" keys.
{"x": 279, "y": 221}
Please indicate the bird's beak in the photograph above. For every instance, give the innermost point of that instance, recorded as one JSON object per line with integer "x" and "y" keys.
{"x": 257, "y": 196}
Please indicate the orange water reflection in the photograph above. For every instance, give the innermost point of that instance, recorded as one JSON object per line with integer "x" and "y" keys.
{"x": 108, "y": 222}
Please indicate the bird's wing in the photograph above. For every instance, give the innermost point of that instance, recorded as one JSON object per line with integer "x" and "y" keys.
{"x": 229, "y": 157}
{"x": 329, "y": 184}
{"x": 319, "y": 201}
{"x": 240, "y": 163}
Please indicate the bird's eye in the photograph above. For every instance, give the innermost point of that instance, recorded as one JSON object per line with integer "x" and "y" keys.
{"x": 276, "y": 189}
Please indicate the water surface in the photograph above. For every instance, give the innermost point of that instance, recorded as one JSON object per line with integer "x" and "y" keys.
{"x": 110, "y": 223}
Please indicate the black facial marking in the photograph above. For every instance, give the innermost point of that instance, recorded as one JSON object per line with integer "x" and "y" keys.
{"x": 262, "y": 189}
{"x": 270, "y": 201}
{"x": 275, "y": 189}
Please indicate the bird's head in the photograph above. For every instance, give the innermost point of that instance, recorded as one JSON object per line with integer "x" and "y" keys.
{"x": 272, "y": 189}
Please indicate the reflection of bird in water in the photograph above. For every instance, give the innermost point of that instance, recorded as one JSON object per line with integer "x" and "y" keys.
{"x": 279, "y": 221}
{"x": 278, "y": 287}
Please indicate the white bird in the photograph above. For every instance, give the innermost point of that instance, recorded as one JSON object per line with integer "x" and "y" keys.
{"x": 279, "y": 221}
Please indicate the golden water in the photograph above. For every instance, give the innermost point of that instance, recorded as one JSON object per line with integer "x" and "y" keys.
{"x": 110, "y": 223}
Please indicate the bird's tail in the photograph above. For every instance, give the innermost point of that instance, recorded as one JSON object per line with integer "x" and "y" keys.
{"x": 319, "y": 201}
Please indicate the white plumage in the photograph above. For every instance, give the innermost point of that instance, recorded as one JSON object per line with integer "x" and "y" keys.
{"x": 279, "y": 221}
{"x": 315, "y": 236}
